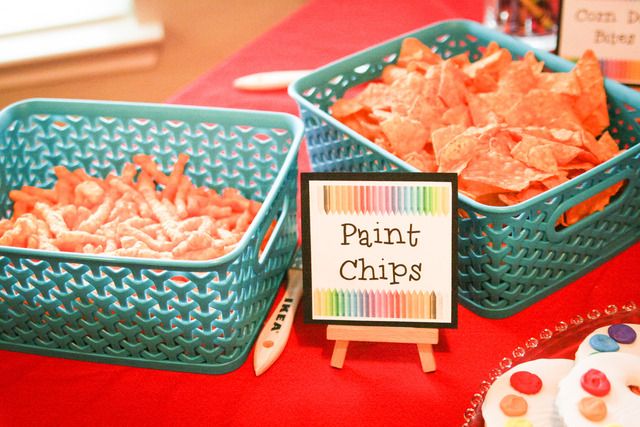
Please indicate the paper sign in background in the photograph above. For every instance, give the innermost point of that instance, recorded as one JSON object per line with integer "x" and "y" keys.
{"x": 611, "y": 28}
{"x": 381, "y": 252}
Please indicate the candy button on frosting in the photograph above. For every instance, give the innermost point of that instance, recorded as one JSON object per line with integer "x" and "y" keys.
{"x": 603, "y": 343}
{"x": 595, "y": 382}
{"x": 525, "y": 382}
{"x": 518, "y": 422}
{"x": 593, "y": 408}
{"x": 624, "y": 334}
{"x": 513, "y": 406}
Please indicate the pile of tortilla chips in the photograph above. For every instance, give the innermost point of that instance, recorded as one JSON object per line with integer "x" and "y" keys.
{"x": 508, "y": 129}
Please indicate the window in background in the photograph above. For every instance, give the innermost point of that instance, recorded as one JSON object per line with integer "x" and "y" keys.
{"x": 43, "y": 41}
{"x": 37, "y": 15}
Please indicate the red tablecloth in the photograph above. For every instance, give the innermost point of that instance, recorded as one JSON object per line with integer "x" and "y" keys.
{"x": 380, "y": 384}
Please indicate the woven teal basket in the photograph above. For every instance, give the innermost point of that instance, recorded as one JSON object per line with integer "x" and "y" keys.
{"x": 197, "y": 316}
{"x": 508, "y": 257}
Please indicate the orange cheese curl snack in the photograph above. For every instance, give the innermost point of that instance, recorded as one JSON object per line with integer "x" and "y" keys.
{"x": 141, "y": 213}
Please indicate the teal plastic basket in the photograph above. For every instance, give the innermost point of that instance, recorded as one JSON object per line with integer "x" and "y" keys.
{"x": 508, "y": 257}
{"x": 197, "y": 316}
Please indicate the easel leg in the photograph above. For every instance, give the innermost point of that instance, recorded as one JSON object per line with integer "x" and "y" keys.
{"x": 427, "y": 360}
{"x": 339, "y": 353}
{"x": 422, "y": 337}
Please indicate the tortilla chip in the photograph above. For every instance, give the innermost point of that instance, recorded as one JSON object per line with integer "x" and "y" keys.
{"x": 391, "y": 73}
{"x": 455, "y": 155}
{"x": 535, "y": 65}
{"x": 413, "y": 49}
{"x": 504, "y": 141}
{"x": 541, "y": 157}
{"x": 517, "y": 77}
{"x": 362, "y": 123}
{"x": 491, "y": 63}
{"x": 592, "y": 102}
{"x": 603, "y": 148}
{"x": 429, "y": 114}
{"x": 490, "y": 49}
{"x": 479, "y": 190}
{"x": 480, "y": 111}
{"x": 565, "y": 83}
{"x": 573, "y": 138}
{"x": 510, "y": 199}
{"x": 405, "y": 90}
{"x": 420, "y": 67}
{"x": 597, "y": 121}
{"x": 376, "y": 96}
{"x": 501, "y": 103}
{"x": 536, "y": 153}
{"x": 458, "y": 115}
{"x": 461, "y": 60}
{"x": 593, "y": 204}
{"x": 431, "y": 85}
{"x": 544, "y": 109}
{"x": 443, "y": 136}
{"x": 544, "y": 154}
{"x": 345, "y": 107}
{"x": 404, "y": 135}
{"x": 483, "y": 82}
{"x": 563, "y": 135}
{"x": 591, "y": 81}
{"x": 563, "y": 153}
{"x": 555, "y": 180}
{"x": 421, "y": 160}
{"x": 452, "y": 85}
{"x": 501, "y": 171}
{"x": 575, "y": 168}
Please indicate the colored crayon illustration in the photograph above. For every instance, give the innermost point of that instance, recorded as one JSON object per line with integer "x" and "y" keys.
{"x": 409, "y": 305}
{"x": 622, "y": 70}
{"x": 390, "y": 200}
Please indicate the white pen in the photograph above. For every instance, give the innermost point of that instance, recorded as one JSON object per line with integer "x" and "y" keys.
{"x": 269, "y": 80}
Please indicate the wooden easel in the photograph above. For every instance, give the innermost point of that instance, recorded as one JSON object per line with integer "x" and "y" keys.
{"x": 423, "y": 338}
